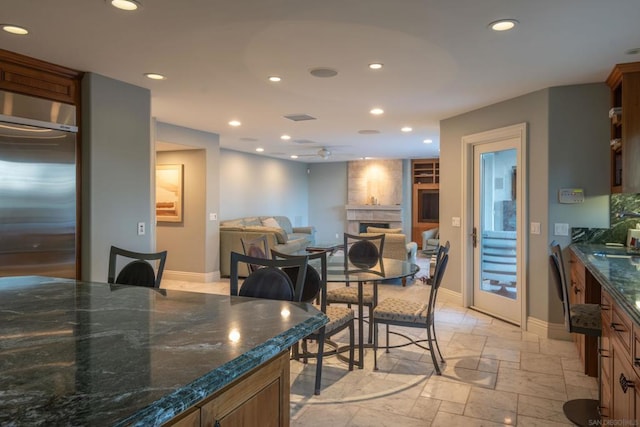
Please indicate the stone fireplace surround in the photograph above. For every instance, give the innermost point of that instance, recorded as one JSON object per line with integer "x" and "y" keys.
{"x": 391, "y": 215}
{"x": 374, "y": 193}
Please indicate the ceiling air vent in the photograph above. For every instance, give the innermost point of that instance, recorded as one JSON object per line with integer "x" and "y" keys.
{"x": 299, "y": 117}
{"x": 303, "y": 141}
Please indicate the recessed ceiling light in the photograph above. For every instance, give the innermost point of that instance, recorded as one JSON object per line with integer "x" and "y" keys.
{"x": 234, "y": 123}
{"x": 285, "y": 137}
{"x": 375, "y": 65}
{"x": 428, "y": 141}
{"x": 293, "y": 156}
{"x": 154, "y": 76}
{"x": 406, "y": 129}
{"x": 259, "y": 149}
{"x": 503, "y": 24}
{"x": 377, "y": 111}
{"x": 14, "y": 29}
{"x": 274, "y": 78}
{"x": 128, "y": 5}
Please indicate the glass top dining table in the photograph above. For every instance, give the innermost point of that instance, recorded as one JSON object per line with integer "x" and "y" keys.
{"x": 341, "y": 270}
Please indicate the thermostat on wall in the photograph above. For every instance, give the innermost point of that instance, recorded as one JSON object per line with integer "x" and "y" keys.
{"x": 571, "y": 195}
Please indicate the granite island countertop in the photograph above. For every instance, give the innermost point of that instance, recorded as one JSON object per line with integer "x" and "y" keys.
{"x": 618, "y": 272}
{"x": 79, "y": 353}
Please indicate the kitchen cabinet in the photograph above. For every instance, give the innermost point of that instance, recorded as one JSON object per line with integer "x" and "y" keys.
{"x": 584, "y": 289}
{"x": 624, "y": 82}
{"x": 22, "y": 74}
{"x": 620, "y": 398}
{"x": 425, "y": 175}
{"x": 259, "y": 398}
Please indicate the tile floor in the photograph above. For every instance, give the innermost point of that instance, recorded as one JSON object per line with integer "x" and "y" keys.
{"x": 494, "y": 375}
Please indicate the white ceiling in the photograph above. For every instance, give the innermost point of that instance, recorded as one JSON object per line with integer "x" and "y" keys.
{"x": 440, "y": 60}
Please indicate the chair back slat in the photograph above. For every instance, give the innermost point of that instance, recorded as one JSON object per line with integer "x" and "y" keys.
{"x": 272, "y": 276}
{"x": 138, "y": 271}
{"x": 315, "y": 286}
{"x": 560, "y": 281}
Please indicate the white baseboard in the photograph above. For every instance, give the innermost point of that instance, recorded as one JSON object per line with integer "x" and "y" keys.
{"x": 189, "y": 276}
{"x": 544, "y": 329}
{"x": 449, "y": 295}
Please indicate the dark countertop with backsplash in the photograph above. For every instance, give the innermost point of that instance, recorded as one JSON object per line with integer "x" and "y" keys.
{"x": 78, "y": 353}
{"x": 618, "y": 272}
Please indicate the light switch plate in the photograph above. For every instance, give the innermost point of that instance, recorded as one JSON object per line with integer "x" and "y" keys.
{"x": 455, "y": 221}
{"x": 535, "y": 228}
{"x": 561, "y": 229}
{"x": 213, "y": 216}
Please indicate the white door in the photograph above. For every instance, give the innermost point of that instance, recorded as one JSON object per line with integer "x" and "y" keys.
{"x": 495, "y": 231}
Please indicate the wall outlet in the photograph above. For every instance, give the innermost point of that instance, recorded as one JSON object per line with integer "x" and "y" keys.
{"x": 141, "y": 229}
{"x": 337, "y": 235}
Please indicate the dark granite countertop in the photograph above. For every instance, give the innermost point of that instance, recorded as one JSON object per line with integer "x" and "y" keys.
{"x": 617, "y": 270}
{"x": 78, "y": 353}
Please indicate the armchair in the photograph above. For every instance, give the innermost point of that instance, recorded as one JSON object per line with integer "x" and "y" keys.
{"x": 430, "y": 241}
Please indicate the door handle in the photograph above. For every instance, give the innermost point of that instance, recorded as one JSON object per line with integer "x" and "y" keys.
{"x": 474, "y": 237}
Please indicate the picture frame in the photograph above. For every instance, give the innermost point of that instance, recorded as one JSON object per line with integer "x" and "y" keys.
{"x": 169, "y": 201}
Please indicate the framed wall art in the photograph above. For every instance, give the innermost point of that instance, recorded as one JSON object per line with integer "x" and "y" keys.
{"x": 169, "y": 193}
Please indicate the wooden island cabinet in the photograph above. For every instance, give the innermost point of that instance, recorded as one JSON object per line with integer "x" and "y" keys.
{"x": 610, "y": 276}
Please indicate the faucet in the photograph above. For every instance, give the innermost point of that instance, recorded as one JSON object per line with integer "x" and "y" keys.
{"x": 628, "y": 214}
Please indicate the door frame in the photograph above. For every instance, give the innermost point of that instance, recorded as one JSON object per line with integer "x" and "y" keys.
{"x": 518, "y": 131}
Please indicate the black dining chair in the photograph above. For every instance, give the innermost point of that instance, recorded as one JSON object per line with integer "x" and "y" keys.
{"x": 580, "y": 319}
{"x": 361, "y": 254}
{"x": 268, "y": 280}
{"x": 340, "y": 318}
{"x": 138, "y": 270}
{"x": 413, "y": 314}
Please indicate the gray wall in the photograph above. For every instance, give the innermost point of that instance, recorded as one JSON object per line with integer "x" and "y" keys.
{"x": 116, "y": 171}
{"x": 252, "y": 185}
{"x": 327, "y": 200}
{"x": 561, "y": 121}
{"x": 194, "y": 245}
{"x": 185, "y": 241}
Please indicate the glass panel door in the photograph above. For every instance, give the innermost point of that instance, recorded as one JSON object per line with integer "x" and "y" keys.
{"x": 496, "y": 288}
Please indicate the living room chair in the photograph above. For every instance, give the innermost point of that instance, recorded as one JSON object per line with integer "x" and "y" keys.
{"x": 268, "y": 280}
{"x": 138, "y": 271}
{"x": 412, "y": 314}
{"x": 580, "y": 319}
{"x": 257, "y": 247}
{"x": 340, "y": 318}
{"x": 363, "y": 252}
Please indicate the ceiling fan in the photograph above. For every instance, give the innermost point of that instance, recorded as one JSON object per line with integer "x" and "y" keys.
{"x": 323, "y": 152}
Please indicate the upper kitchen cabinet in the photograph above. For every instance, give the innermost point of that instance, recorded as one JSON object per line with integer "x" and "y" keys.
{"x": 29, "y": 76}
{"x": 624, "y": 82}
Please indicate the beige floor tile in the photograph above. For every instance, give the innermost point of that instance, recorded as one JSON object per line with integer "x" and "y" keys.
{"x": 541, "y": 409}
{"x": 531, "y": 383}
{"x": 490, "y": 365}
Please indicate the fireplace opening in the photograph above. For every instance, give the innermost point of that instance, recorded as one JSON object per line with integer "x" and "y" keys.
{"x": 363, "y": 226}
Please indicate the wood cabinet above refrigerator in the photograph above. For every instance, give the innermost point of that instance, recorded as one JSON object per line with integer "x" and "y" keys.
{"x": 624, "y": 82}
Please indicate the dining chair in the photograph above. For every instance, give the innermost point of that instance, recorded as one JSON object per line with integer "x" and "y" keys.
{"x": 412, "y": 314}
{"x": 580, "y": 319}
{"x": 268, "y": 280}
{"x": 257, "y": 247}
{"x": 361, "y": 252}
{"x": 340, "y": 318}
{"x": 138, "y": 271}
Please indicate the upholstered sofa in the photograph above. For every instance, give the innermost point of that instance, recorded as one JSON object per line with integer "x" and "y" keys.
{"x": 281, "y": 236}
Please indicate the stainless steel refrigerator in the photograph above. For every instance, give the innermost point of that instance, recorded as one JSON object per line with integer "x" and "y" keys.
{"x": 38, "y": 190}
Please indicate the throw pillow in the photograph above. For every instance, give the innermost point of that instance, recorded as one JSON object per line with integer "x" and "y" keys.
{"x": 270, "y": 222}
